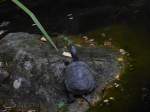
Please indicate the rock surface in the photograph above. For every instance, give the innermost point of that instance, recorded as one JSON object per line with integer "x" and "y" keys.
{"x": 34, "y": 73}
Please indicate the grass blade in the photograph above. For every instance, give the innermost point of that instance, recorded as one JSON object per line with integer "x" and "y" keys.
{"x": 35, "y": 20}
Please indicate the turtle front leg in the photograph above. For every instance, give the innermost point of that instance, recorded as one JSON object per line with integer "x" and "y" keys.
{"x": 71, "y": 98}
{"x": 87, "y": 98}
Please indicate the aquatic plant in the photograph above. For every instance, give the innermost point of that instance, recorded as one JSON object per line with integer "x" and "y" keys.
{"x": 35, "y": 20}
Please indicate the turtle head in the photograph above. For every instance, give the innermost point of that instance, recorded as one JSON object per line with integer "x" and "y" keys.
{"x": 73, "y": 51}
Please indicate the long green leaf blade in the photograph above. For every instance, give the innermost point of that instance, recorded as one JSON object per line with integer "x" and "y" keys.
{"x": 35, "y": 20}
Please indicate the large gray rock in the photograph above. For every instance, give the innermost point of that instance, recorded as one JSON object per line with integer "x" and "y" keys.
{"x": 34, "y": 72}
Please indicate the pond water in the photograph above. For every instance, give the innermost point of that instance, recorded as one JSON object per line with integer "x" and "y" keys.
{"x": 133, "y": 95}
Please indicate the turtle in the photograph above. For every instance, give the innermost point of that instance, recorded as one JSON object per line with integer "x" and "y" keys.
{"x": 79, "y": 78}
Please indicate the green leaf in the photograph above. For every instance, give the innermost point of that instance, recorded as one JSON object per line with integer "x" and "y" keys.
{"x": 35, "y": 20}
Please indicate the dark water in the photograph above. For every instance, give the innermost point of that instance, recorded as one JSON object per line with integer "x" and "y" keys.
{"x": 134, "y": 92}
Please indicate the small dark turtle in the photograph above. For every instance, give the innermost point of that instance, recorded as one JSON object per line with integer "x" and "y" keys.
{"x": 79, "y": 80}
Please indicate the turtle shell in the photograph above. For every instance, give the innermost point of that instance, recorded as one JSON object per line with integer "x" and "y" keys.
{"x": 79, "y": 78}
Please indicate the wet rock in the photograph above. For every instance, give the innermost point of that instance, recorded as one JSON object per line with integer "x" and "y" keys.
{"x": 78, "y": 106}
{"x": 3, "y": 75}
{"x": 37, "y": 72}
{"x": 3, "y": 72}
